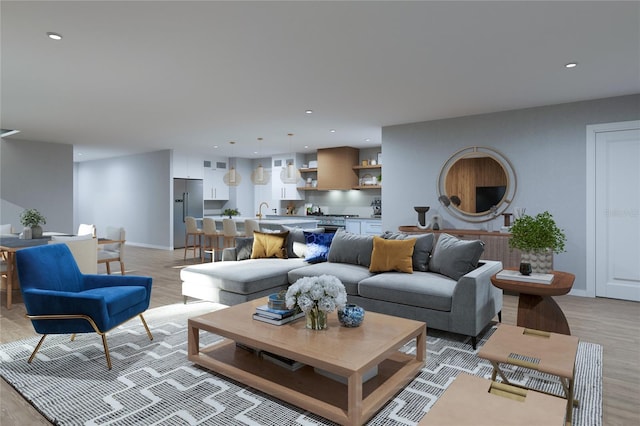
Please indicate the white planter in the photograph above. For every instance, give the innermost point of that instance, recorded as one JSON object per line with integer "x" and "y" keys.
{"x": 541, "y": 261}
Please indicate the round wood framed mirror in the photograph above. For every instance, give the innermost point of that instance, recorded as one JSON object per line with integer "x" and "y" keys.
{"x": 477, "y": 184}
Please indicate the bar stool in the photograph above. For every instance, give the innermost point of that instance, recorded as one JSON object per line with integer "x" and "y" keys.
{"x": 251, "y": 225}
{"x": 211, "y": 237}
{"x": 230, "y": 232}
{"x": 196, "y": 233}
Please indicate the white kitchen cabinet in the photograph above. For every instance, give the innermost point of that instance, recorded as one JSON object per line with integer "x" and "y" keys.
{"x": 188, "y": 166}
{"x": 286, "y": 190}
{"x": 214, "y": 187}
{"x": 352, "y": 225}
{"x": 364, "y": 226}
{"x": 371, "y": 227}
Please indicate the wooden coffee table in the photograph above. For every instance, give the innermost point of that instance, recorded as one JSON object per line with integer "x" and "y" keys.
{"x": 346, "y": 352}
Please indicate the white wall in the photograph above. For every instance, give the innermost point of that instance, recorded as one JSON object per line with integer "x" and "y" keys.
{"x": 547, "y": 146}
{"x": 132, "y": 191}
{"x": 37, "y": 175}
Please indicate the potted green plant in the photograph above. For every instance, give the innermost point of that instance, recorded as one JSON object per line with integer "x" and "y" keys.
{"x": 538, "y": 237}
{"x": 230, "y": 212}
{"x": 32, "y": 218}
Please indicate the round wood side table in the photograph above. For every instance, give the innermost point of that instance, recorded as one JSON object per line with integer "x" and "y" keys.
{"x": 536, "y": 307}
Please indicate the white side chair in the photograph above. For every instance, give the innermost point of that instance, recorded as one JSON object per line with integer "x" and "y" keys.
{"x": 194, "y": 234}
{"x": 87, "y": 229}
{"x": 211, "y": 237}
{"x": 113, "y": 252}
{"x": 230, "y": 232}
{"x": 84, "y": 249}
{"x": 251, "y": 225}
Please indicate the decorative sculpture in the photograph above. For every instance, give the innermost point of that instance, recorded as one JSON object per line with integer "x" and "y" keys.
{"x": 421, "y": 216}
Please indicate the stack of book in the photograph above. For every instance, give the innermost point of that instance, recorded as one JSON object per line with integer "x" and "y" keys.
{"x": 282, "y": 361}
{"x": 276, "y": 316}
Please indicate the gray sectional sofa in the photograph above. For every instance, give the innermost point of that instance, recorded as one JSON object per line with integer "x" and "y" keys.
{"x": 448, "y": 286}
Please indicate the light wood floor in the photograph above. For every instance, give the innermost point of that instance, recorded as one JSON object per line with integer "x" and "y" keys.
{"x": 611, "y": 323}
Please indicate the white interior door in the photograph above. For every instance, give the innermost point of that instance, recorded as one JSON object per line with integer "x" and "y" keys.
{"x": 617, "y": 214}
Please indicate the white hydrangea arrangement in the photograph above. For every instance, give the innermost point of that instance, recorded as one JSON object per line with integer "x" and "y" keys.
{"x": 316, "y": 296}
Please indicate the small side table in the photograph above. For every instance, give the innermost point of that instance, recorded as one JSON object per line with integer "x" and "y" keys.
{"x": 536, "y": 307}
{"x": 472, "y": 400}
{"x": 537, "y": 350}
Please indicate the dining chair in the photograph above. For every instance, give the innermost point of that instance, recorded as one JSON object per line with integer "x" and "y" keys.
{"x": 230, "y": 232}
{"x": 84, "y": 249}
{"x": 59, "y": 299}
{"x": 251, "y": 225}
{"x": 4, "y": 276}
{"x": 113, "y": 252}
{"x": 211, "y": 237}
{"x": 87, "y": 229}
{"x": 196, "y": 236}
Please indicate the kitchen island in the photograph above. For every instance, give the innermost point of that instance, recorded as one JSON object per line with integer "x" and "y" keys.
{"x": 303, "y": 222}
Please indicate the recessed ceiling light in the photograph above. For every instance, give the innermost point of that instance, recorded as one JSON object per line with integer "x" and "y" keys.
{"x": 332, "y": 130}
{"x": 215, "y": 147}
{"x": 54, "y": 36}
{"x": 309, "y": 111}
{"x": 367, "y": 140}
{"x": 571, "y": 65}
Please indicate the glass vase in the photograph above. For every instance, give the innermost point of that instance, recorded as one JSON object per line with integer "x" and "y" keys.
{"x": 316, "y": 319}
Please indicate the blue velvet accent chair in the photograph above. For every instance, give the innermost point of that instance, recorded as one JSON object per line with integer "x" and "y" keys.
{"x": 61, "y": 300}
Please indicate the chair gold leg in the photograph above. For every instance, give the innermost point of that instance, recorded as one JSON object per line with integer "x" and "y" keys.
{"x": 146, "y": 327}
{"x": 121, "y": 268}
{"x": 33, "y": 354}
{"x": 106, "y": 349}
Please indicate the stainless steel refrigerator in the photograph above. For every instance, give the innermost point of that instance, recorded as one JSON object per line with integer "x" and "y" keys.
{"x": 187, "y": 201}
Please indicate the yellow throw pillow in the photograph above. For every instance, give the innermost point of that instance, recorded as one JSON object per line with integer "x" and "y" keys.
{"x": 269, "y": 245}
{"x": 392, "y": 255}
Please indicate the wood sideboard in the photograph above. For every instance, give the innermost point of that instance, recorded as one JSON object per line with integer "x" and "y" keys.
{"x": 496, "y": 244}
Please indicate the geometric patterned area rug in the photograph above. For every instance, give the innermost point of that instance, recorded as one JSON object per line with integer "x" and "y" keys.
{"x": 153, "y": 383}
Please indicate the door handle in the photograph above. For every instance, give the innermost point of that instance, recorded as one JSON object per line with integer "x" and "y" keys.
{"x": 185, "y": 197}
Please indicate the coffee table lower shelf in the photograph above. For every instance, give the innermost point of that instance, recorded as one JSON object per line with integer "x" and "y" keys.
{"x": 353, "y": 403}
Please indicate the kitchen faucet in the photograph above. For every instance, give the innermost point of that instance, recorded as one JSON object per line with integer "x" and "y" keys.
{"x": 259, "y": 215}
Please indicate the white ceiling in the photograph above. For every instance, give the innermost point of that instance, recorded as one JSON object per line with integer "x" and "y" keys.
{"x": 141, "y": 76}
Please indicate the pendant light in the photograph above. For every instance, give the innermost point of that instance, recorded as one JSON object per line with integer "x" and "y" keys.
{"x": 232, "y": 177}
{"x": 289, "y": 173}
{"x": 260, "y": 176}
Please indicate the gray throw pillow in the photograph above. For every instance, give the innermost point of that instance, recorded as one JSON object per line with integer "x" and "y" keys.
{"x": 454, "y": 258}
{"x": 421, "y": 251}
{"x": 296, "y": 242}
{"x": 244, "y": 247}
{"x": 351, "y": 248}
